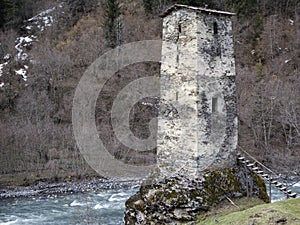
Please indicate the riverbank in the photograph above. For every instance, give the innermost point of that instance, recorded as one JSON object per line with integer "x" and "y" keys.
{"x": 66, "y": 186}
{"x": 47, "y": 185}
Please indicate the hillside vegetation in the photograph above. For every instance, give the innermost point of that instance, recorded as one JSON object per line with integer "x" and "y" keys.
{"x": 36, "y": 138}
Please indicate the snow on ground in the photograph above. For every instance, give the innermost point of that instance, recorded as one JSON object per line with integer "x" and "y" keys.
{"x": 286, "y": 61}
{"x": 21, "y": 43}
{"x": 22, "y": 72}
{"x": 1, "y": 67}
{"x": 42, "y": 20}
{"x": 39, "y": 22}
{"x": 7, "y": 57}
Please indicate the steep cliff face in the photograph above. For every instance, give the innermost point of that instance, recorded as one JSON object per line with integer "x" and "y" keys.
{"x": 182, "y": 198}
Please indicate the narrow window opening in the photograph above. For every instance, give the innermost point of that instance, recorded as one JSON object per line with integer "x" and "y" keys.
{"x": 215, "y": 28}
{"x": 177, "y": 96}
{"x": 214, "y": 105}
{"x": 179, "y": 28}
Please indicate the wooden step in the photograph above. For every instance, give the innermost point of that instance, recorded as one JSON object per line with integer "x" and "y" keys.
{"x": 260, "y": 172}
{"x": 292, "y": 195}
{"x": 279, "y": 185}
{"x": 283, "y": 189}
{"x": 274, "y": 182}
{"x": 250, "y": 164}
{"x": 288, "y": 192}
{"x": 266, "y": 176}
{"x": 244, "y": 161}
{"x": 241, "y": 158}
{"x": 255, "y": 168}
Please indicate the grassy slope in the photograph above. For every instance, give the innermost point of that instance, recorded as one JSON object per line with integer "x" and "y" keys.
{"x": 284, "y": 212}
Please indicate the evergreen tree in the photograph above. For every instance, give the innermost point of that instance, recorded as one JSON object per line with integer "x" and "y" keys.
{"x": 201, "y": 3}
{"x": 112, "y": 25}
{"x": 148, "y": 5}
{"x": 76, "y": 7}
{"x": 7, "y": 11}
{"x": 2, "y": 13}
{"x": 15, "y": 11}
{"x": 24, "y": 9}
{"x": 244, "y": 7}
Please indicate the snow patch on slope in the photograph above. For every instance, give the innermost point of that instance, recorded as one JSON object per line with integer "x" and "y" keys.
{"x": 23, "y": 43}
{"x": 1, "y": 67}
{"x": 22, "y": 72}
{"x": 42, "y": 20}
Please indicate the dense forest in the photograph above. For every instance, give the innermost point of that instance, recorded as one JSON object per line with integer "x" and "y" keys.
{"x": 45, "y": 47}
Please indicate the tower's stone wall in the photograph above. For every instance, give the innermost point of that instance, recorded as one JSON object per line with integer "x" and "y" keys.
{"x": 197, "y": 126}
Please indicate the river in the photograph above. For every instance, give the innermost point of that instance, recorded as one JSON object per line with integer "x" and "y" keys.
{"x": 104, "y": 207}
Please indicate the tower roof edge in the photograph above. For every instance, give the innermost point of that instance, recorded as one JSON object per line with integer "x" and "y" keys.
{"x": 193, "y": 8}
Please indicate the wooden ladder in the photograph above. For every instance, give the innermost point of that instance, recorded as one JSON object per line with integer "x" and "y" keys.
{"x": 265, "y": 173}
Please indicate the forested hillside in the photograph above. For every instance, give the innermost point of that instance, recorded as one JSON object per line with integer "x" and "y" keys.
{"x": 47, "y": 45}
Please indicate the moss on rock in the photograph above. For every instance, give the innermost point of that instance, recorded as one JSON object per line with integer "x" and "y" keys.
{"x": 262, "y": 187}
{"x": 182, "y": 199}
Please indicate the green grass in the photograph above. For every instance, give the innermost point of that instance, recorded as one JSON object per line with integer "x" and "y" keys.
{"x": 284, "y": 212}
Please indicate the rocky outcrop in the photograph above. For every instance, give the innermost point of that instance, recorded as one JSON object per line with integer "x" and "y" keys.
{"x": 181, "y": 198}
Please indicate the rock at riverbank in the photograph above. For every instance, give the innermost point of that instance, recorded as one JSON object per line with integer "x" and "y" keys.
{"x": 182, "y": 198}
{"x": 64, "y": 187}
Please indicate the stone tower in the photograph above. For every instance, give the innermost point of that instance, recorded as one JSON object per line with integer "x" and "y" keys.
{"x": 197, "y": 125}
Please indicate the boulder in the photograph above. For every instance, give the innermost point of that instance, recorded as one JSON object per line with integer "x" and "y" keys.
{"x": 182, "y": 198}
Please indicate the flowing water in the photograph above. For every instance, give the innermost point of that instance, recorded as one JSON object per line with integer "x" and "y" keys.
{"x": 104, "y": 207}
{"x": 277, "y": 195}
